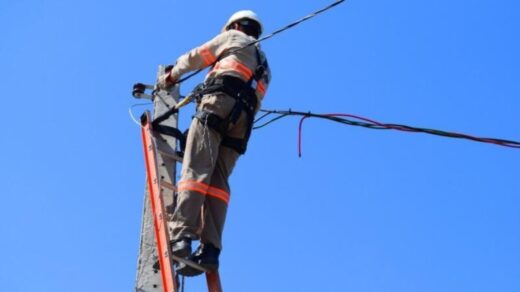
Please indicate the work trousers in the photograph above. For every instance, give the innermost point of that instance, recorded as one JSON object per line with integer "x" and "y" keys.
{"x": 203, "y": 191}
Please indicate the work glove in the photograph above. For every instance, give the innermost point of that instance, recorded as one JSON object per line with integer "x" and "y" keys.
{"x": 165, "y": 81}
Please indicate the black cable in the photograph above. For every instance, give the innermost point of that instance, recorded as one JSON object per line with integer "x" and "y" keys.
{"x": 291, "y": 25}
{"x": 261, "y": 117}
{"x": 269, "y": 122}
{"x": 371, "y": 124}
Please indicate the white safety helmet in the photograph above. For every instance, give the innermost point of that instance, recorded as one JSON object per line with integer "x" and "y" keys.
{"x": 243, "y": 14}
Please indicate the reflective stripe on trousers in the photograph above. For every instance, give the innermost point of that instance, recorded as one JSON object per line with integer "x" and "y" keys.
{"x": 206, "y": 168}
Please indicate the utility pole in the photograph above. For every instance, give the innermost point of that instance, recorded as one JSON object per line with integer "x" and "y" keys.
{"x": 156, "y": 263}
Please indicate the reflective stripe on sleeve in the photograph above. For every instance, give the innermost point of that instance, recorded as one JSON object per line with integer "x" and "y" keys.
{"x": 207, "y": 56}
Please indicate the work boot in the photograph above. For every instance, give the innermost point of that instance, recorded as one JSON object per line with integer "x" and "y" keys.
{"x": 206, "y": 255}
{"x": 181, "y": 247}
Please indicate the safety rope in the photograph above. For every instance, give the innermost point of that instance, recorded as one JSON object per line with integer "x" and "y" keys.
{"x": 293, "y": 24}
{"x": 354, "y": 120}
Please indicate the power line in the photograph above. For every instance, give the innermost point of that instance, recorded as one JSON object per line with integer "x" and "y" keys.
{"x": 347, "y": 119}
{"x": 291, "y": 25}
{"x": 354, "y": 120}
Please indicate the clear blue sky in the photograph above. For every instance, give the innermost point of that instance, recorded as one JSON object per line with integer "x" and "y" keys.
{"x": 362, "y": 210}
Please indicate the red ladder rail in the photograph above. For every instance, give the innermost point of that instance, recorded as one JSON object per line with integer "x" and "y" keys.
{"x": 159, "y": 214}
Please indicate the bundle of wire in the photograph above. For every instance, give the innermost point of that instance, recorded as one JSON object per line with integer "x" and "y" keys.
{"x": 354, "y": 120}
{"x": 347, "y": 119}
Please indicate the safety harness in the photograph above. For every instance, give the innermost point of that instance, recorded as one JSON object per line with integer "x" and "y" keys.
{"x": 245, "y": 100}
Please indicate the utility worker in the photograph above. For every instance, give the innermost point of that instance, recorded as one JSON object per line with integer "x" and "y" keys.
{"x": 218, "y": 134}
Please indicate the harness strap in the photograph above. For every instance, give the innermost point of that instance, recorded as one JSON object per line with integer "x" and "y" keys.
{"x": 212, "y": 120}
{"x": 245, "y": 100}
{"x": 171, "y": 131}
{"x": 234, "y": 87}
{"x": 234, "y": 143}
{"x": 221, "y": 125}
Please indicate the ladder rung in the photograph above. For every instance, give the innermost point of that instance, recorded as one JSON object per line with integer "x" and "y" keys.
{"x": 170, "y": 155}
{"x": 156, "y": 164}
{"x": 190, "y": 263}
{"x": 168, "y": 186}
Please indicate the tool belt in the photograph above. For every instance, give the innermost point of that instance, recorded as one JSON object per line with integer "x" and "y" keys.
{"x": 245, "y": 100}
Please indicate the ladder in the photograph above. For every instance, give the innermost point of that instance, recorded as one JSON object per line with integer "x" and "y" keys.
{"x": 161, "y": 158}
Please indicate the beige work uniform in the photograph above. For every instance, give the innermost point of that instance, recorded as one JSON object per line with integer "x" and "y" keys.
{"x": 203, "y": 191}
